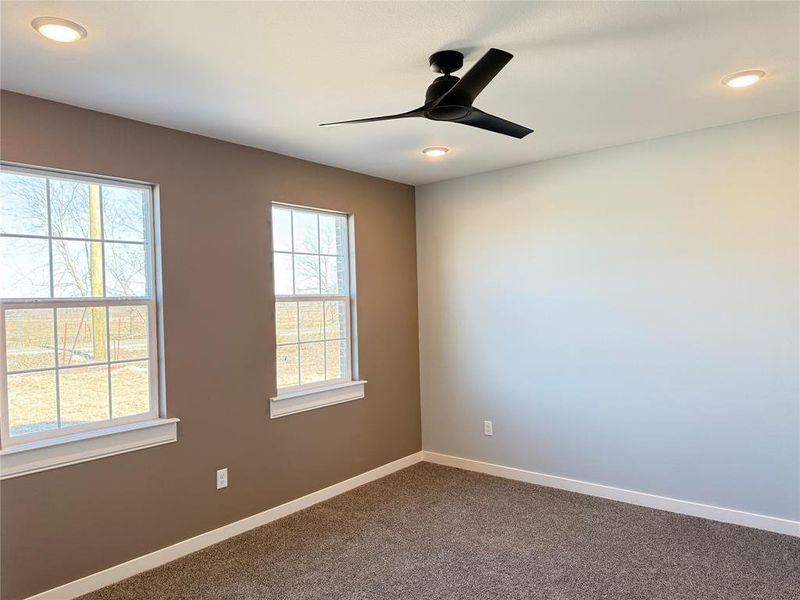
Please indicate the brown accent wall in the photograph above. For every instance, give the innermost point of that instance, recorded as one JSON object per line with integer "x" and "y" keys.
{"x": 66, "y": 523}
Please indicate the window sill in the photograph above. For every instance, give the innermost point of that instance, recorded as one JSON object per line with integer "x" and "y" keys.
{"x": 303, "y": 400}
{"x": 52, "y": 453}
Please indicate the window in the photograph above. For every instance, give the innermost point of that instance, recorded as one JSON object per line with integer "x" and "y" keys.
{"x": 77, "y": 305}
{"x": 313, "y": 309}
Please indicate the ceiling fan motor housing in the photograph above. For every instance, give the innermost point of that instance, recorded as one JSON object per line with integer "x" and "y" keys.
{"x": 439, "y": 86}
{"x": 454, "y": 109}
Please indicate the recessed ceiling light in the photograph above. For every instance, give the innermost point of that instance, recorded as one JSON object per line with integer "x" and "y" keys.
{"x": 743, "y": 78}
{"x": 58, "y": 30}
{"x": 435, "y": 151}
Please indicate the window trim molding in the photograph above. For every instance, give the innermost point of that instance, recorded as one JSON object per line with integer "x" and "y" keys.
{"x": 157, "y": 414}
{"x": 297, "y": 401}
{"x": 52, "y": 453}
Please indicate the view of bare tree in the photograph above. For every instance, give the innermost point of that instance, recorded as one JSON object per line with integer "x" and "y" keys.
{"x": 79, "y": 215}
{"x": 67, "y": 238}
{"x": 311, "y": 257}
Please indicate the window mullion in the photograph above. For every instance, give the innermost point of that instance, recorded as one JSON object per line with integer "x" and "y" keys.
{"x": 311, "y": 298}
{"x": 50, "y": 238}
{"x": 102, "y": 245}
{"x": 294, "y": 290}
{"x": 319, "y": 258}
{"x": 291, "y": 239}
{"x": 299, "y": 362}
{"x": 78, "y": 302}
{"x": 57, "y": 371}
{"x": 107, "y": 310}
{"x": 324, "y": 343}
{"x": 108, "y": 358}
{"x": 63, "y": 238}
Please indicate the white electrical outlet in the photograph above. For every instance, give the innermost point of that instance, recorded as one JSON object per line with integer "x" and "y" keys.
{"x": 222, "y": 478}
{"x": 487, "y": 428}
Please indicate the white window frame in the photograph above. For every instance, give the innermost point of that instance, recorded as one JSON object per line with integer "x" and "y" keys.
{"x": 21, "y": 455}
{"x": 303, "y": 397}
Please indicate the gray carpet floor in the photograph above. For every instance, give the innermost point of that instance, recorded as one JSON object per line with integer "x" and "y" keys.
{"x": 434, "y": 532}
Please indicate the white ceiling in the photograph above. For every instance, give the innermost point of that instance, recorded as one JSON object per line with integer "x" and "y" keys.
{"x": 585, "y": 74}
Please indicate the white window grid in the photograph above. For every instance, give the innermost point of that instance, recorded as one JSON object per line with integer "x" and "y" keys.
{"x": 324, "y": 298}
{"x": 53, "y": 303}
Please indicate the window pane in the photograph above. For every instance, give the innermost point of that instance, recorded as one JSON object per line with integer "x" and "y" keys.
{"x": 318, "y": 252}
{"x": 306, "y": 274}
{"x": 283, "y": 274}
{"x": 130, "y": 388}
{"x": 305, "y": 232}
{"x": 81, "y": 335}
{"x": 84, "y": 395}
{"x": 77, "y": 269}
{"x": 287, "y": 366}
{"x": 23, "y": 204}
{"x": 32, "y": 403}
{"x": 332, "y": 234}
{"x": 312, "y": 362}
{"x": 125, "y": 213}
{"x": 29, "y": 339}
{"x": 126, "y": 270}
{"x": 286, "y": 322}
{"x": 335, "y": 359}
{"x": 24, "y": 268}
{"x": 69, "y": 341}
{"x": 333, "y": 275}
{"x": 311, "y": 321}
{"x": 335, "y": 319}
{"x": 282, "y": 229}
{"x": 129, "y": 332}
{"x": 75, "y": 209}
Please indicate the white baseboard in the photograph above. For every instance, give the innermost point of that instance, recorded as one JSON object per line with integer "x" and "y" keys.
{"x": 685, "y": 507}
{"x": 132, "y": 567}
{"x": 117, "y": 573}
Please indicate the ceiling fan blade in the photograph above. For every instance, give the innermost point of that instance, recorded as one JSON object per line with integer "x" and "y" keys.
{"x": 482, "y": 120}
{"x": 478, "y": 77}
{"x": 417, "y": 112}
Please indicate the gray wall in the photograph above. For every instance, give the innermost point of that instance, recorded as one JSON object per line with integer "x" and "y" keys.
{"x": 219, "y": 333}
{"x": 626, "y": 317}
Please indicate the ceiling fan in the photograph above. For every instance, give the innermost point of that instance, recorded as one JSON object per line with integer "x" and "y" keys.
{"x": 450, "y": 99}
